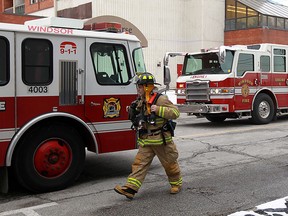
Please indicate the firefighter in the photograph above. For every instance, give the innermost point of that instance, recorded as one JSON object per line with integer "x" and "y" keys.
{"x": 154, "y": 137}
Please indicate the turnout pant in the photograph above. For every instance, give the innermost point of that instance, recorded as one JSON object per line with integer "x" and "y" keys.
{"x": 167, "y": 155}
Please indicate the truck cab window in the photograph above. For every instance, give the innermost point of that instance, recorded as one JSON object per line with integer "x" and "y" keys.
{"x": 226, "y": 66}
{"x": 265, "y": 63}
{"x": 245, "y": 63}
{"x": 37, "y": 62}
{"x": 4, "y": 61}
{"x": 279, "y": 60}
{"x": 110, "y": 63}
{"x": 138, "y": 59}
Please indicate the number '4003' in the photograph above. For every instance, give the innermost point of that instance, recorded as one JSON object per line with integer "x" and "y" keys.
{"x": 38, "y": 89}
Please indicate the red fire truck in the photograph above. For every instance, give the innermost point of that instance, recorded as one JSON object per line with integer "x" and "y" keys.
{"x": 234, "y": 81}
{"x": 63, "y": 90}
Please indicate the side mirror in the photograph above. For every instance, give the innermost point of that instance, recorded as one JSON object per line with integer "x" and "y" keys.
{"x": 167, "y": 76}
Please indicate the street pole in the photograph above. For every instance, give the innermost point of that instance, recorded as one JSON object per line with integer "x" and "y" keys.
{"x": 55, "y": 8}
{"x": 14, "y": 8}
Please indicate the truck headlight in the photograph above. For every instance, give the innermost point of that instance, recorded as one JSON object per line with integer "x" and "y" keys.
{"x": 222, "y": 91}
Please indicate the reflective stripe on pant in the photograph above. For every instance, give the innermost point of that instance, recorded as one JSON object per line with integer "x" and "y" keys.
{"x": 167, "y": 155}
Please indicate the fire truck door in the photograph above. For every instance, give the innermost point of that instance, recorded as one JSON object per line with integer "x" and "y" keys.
{"x": 247, "y": 80}
{"x": 264, "y": 68}
{"x": 7, "y": 91}
{"x": 108, "y": 91}
{"x": 279, "y": 75}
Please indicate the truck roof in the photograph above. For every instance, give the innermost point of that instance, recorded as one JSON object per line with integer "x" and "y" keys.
{"x": 262, "y": 47}
{"x": 63, "y": 27}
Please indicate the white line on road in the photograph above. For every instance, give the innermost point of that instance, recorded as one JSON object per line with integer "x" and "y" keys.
{"x": 28, "y": 211}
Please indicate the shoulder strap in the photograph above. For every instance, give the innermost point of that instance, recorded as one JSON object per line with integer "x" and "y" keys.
{"x": 154, "y": 98}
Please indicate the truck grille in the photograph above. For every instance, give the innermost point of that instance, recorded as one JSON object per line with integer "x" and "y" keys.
{"x": 197, "y": 91}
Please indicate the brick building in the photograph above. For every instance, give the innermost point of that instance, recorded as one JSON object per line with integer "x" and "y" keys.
{"x": 255, "y": 21}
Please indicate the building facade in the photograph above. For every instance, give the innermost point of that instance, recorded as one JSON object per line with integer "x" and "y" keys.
{"x": 177, "y": 25}
{"x": 255, "y": 21}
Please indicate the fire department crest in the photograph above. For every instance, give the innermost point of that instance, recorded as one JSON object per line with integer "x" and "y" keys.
{"x": 245, "y": 90}
{"x": 111, "y": 108}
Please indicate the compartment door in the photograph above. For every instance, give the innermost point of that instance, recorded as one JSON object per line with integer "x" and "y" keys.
{"x": 7, "y": 92}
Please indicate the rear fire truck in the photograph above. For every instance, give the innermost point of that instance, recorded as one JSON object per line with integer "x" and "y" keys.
{"x": 63, "y": 90}
{"x": 234, "y": 81}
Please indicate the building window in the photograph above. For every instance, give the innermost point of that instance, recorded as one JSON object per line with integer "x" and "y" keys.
{"x": 252, "y": 18}
{"x": 37, "y": 62}
{"x": 263, "y": 20}
{"x": 33, "y": 1}
{"x": 230, "y": 15}
{"x": 230, "y": 9}
{"x": 239, "y": 16}
{"x": 4, "y": 61}
{"x": 280, "y": 23}
{"x": 252, "y": 22}
{"x": 241, "y": 23}
{"x": 286, "y": 23}
{"x": 20, "y": 9}
{"x": 241, "y": 10}
{"x": 272, "y": 21}
{"x": 230, "y": 24}
{"x": 251, "y": 12}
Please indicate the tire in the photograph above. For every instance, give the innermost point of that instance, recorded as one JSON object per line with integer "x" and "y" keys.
{"x": 263, "y": 109}
{"x": 215, "y": 118}
{"x": 49, "y": 158}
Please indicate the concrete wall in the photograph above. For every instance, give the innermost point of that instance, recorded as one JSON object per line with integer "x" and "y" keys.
{"x": 182, "y": 25}
{"x": 204, "y": 23}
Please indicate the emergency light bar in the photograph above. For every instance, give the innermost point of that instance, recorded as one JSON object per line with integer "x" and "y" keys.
{"x": 209, "y": 49}
{"x": 104, "y": 26}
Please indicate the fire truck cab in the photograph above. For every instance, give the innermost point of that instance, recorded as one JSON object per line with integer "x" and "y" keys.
{"x": 234, "y": 81}
{"x": 63, "y": 90}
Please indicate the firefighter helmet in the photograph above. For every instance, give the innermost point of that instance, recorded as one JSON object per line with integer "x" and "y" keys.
{"x": 146, "y": 79}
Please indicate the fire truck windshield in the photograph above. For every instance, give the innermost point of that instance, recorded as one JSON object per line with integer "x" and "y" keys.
{"x": 208, "y": 63}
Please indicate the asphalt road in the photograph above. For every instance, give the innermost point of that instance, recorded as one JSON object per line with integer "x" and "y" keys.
{"x": 226, "y": 167}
